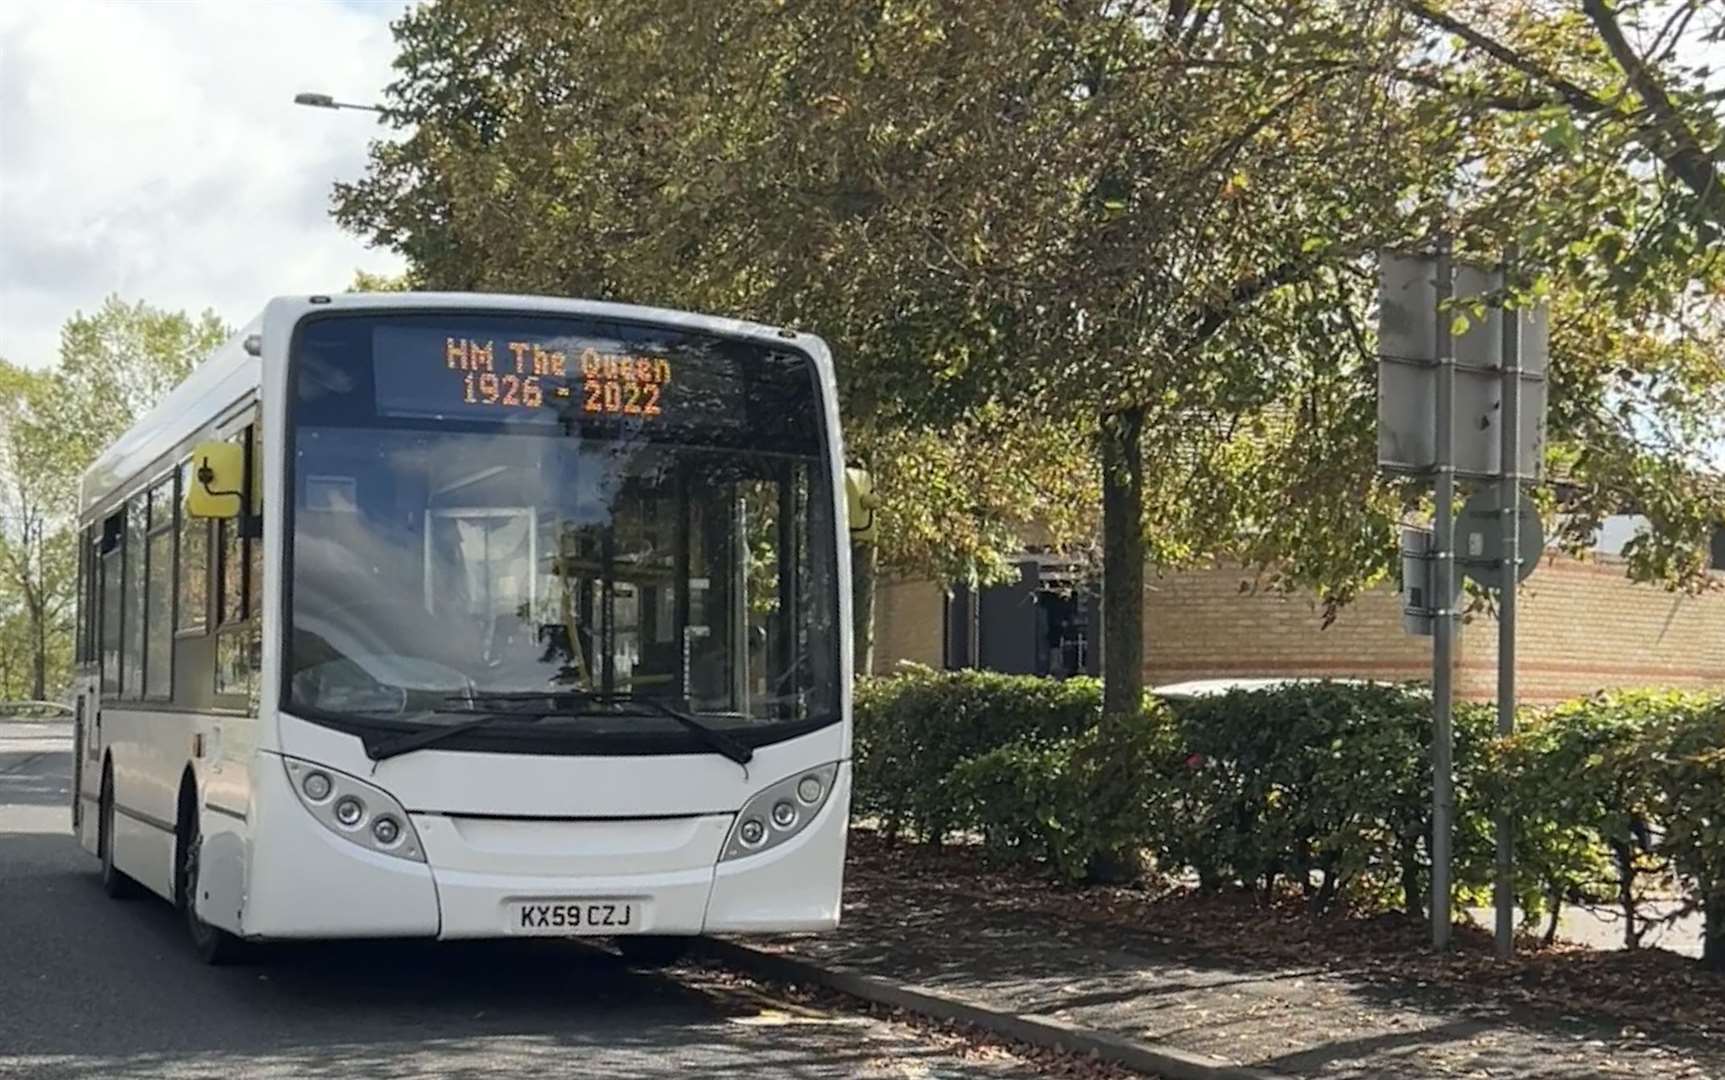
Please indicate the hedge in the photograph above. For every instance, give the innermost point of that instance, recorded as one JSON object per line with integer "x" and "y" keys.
{"x": 1322, "y": 788}
{"x": 915, "y": 728}
{"x": 1619, "y": 799}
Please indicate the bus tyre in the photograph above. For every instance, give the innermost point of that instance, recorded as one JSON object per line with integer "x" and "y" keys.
{"x": 114, "y": 880}
{"x": 212, "y": 944}
{"x": 650, "y": 951}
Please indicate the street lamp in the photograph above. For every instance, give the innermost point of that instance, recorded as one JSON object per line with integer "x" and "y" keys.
{"x": 324, "y": 101}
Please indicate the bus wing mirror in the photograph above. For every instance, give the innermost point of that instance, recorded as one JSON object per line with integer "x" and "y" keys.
{"x": 218, "y": 480}
{"x": 859, "y": 497}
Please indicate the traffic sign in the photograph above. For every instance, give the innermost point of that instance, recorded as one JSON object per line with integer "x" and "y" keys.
{"x": 1408, "y": 369}
{"x": 1461, "y": 394}
{"x": 1420, "y": 601}
{"x": 1480, "y": 543}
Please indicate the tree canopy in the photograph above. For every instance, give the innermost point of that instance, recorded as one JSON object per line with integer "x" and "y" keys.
{"x": 114, "y": 365}
{"x": 1033, "y": 230}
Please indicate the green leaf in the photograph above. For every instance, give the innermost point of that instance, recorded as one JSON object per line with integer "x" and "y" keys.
{"x": 1562, "y": 135}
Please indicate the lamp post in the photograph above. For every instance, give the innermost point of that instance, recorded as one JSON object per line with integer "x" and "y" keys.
{"x": 324, "y": 101}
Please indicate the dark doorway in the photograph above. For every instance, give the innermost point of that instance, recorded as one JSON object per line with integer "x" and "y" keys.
{"x": 1045, "y": 623}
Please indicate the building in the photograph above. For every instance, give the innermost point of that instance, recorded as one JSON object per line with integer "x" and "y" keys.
{"x": 1583, "y": 627}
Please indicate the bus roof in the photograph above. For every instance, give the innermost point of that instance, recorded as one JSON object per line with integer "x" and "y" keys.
{"x": 231, "y": 374}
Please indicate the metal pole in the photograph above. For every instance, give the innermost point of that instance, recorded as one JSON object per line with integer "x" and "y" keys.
{"x": 1443, "y": 644}
{"x": 1510, "y": 499}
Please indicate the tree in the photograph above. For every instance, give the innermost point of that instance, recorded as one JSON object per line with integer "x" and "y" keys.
{"x": 1139, "y": 225}
{"x": 1590, "y": 121}
{"x": 17, "y": 653}
{"x": 114, "y": 365}
{"x": 366, "y": 281}
{"x": 1579, "y": 68}
{"x": 37, "y": 506}
{"x": 648, "y": 158}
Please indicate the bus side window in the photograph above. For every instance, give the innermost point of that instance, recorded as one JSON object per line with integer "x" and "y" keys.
{"x": 81, "y": 633}
{"x": 239, "y": 585}
{"x": 255, "y": 536}
{"x": 93, "y": 594}
{"x": 159, "y": 594}
{"x": 108, "y": 591}
{"x": 132, "y": 605}
{"x": 193, "y": 616}
{"x": 234, "y": 552}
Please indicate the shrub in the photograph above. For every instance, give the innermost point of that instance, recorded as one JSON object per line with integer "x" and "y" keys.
{"x": 914, "y": 728}
{"x": 1069, "y": 802}
{"x": 1583, "y": 786}
{"x": 1690, "y": 776}
{"x": 1324, "y": 785}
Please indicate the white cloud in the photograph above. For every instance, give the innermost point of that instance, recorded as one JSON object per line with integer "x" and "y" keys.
{"x": 153, "y": 150}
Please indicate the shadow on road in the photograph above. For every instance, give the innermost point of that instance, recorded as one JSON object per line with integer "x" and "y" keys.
{"x": 90, "y": 987}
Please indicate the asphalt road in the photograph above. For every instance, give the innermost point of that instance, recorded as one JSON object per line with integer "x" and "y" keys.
{"x": 91, "y": 987}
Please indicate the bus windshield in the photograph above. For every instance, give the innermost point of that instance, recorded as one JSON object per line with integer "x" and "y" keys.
{"x": 487, "y": 509}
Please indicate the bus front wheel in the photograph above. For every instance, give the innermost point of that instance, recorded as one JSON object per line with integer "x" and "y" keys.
{"x": 212, "y": 944}
{"x": 115, "y": 882}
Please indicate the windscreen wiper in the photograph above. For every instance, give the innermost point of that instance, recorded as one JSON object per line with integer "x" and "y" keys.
{"x": 562, "y": 703}
{"x": 564, "y": 699}
{"x": 725, "y": 744}
{"x": 557, "y": 699}
{"x": 415, "y": 740}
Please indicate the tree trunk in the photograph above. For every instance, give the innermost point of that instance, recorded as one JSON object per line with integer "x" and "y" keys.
{"x": 1550, "y": 936}
{"x": 1122, "y": 562}
{"x": 1624, "y": 856}
{"x": 862, "y": 604}
{"x": 1413, "y": 888}
{"x": 1122, "y": 605}
{"x": 39, "y": 658}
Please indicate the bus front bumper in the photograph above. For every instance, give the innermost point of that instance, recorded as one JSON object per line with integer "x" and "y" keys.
{"x": 793, "y": 886}
{"x": 507, "y": 877}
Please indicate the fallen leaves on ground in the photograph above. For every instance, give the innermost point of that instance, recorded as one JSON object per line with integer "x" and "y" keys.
{"x": 1646, "y": 987}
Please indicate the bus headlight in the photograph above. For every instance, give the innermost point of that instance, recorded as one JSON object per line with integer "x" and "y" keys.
{"x": 779, "y": 804}
{"x": 349, "y": 811}
{"x": 386, "y": 831}
{"x": 316, "y": 786}
{"x": 344, "y": 805}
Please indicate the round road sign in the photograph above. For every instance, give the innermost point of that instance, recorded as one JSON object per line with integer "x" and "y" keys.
{"x": 1479, "y": 537}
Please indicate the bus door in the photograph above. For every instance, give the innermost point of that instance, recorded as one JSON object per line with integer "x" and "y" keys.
{"x": 93, "y": 564}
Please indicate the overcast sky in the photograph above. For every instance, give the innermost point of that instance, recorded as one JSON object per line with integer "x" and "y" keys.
{"x": 152, "y": 149}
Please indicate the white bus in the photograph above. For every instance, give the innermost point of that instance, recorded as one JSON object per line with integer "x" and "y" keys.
{"x": 460, "y": 616}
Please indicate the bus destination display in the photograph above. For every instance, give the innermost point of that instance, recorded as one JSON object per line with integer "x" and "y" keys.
{"x": 526, "y": 372}
{"x": 439, "y": 374}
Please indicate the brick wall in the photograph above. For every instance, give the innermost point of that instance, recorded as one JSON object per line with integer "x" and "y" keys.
{"x": 1199, "y": 624}
{"x": 1583, "y": 627}
{"x": 908, "y": 623}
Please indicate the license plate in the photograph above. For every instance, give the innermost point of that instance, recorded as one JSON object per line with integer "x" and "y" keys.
{"x": 563, "y": 918}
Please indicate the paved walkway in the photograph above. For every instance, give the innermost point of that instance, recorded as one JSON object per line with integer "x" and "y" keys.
{"x": 1298, "y": 1021}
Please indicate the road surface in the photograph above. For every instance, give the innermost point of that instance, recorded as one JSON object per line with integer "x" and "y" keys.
{"x": 91, "y": 987}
